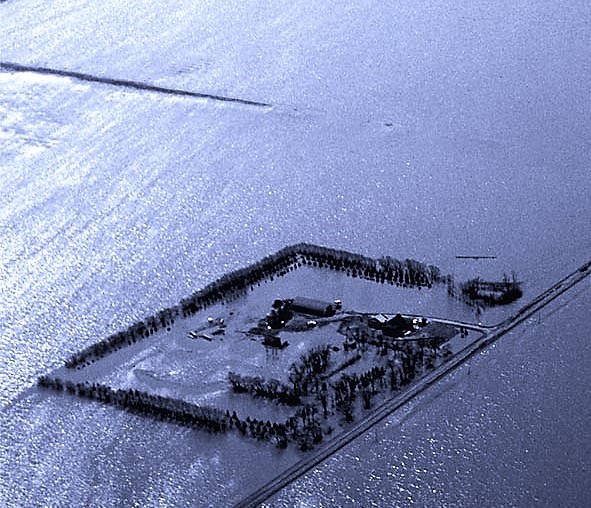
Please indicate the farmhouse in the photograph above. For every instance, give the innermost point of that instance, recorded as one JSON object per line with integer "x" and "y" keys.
{"x": 397, "y": 326}
{"x": 314, "y": 307}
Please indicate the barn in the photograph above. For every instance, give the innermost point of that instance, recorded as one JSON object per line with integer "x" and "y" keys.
{"x": 311, "y": 306}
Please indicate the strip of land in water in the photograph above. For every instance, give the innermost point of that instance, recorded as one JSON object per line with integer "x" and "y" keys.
{"x": 137, "y": 85}
{"x": 476, "y": 257}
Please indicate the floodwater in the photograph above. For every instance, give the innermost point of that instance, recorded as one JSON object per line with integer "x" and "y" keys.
{"x": 423, "y": 130}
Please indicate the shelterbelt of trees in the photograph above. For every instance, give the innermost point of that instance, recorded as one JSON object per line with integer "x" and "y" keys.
{"x": 309, "y": 380}
{"x": 407, "y": 273}
{"x": 303, "y": 427}
{"x": 161, "y": 407}
{"x": 303, "y": 378}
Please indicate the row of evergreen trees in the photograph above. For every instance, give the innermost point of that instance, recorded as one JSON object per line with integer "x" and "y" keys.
{"x": 224, "y": 288}
{"x": 409, "y": 272}
{"x": 239, "y": 281}
{"x": 161, "y": 407}
{"x": 277, "y": 433}
{"x": 138, "y": 331}
{"x": 302, "y": 428}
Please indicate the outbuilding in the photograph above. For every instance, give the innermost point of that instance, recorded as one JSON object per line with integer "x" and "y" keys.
{"x": 312, "y": 306}
{"x": 377, "y": 321}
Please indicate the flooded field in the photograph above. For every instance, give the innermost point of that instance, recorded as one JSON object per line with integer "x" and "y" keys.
{"x": 422, "y": 130}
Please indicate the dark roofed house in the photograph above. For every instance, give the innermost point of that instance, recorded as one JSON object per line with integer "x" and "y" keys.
{"x": 313, "y": 307}
{"x": 397, "y": 326}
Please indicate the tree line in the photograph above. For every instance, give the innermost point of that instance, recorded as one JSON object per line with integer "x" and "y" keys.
{"x": 302, "y": 428}
{"x": 161, "y": 407}
{"x": 412, "y": 357}
{"x": 304, "y": 374}
{"x": 271, "y": 389}
{"x": 303, "y": 379}
{"x": 409, "y": 273}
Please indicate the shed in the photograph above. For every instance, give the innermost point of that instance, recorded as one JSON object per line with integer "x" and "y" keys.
{"x": 377, "y": 321}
